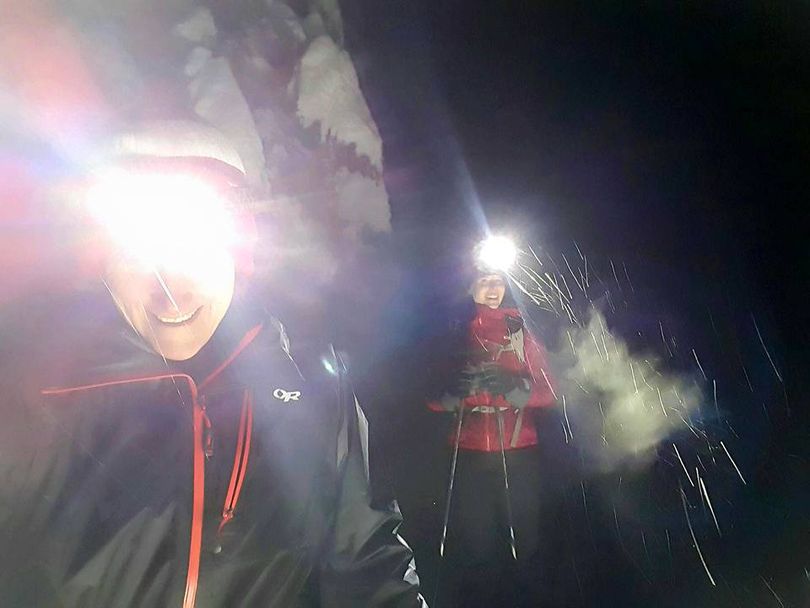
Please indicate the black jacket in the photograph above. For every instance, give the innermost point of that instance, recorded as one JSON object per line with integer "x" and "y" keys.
{"x": 225, "y": 481}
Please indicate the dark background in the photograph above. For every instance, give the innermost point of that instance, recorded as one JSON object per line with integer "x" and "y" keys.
{"x": 672, "y": 137}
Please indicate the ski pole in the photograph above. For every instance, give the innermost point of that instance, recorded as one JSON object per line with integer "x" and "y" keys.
{"x": 506, "y": 484}
{"x": 452, "y": 477}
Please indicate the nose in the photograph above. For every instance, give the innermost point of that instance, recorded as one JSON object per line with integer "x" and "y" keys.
{"x": 170, "y": 292}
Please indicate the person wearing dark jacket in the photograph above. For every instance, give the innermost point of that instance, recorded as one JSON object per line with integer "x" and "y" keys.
{"x": 497, "y": 377}
{"x": 161, "y": 447}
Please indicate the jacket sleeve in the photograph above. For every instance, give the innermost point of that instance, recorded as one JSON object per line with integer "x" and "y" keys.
{"x": 366, "y": 562}
{"x": 445, "y": 403}
{"x": 542, "y": 384}
{"x": 447, "y": 357}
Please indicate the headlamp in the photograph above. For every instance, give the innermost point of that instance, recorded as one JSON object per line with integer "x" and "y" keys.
{"x": 174, "y": 221}
{"x": 496, "y": 253}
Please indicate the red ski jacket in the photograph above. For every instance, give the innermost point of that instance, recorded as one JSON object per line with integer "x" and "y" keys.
{"x": 498, "y": 336}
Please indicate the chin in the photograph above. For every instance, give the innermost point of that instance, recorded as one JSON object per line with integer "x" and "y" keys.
{"x": 179, "y": 352}
{"x": 181, "y": 344}
{"x": 182, "y": 354}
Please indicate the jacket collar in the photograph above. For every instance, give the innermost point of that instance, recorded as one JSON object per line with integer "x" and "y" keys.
{"x": 485, "y": 313}
{"x": 108, "y": 350}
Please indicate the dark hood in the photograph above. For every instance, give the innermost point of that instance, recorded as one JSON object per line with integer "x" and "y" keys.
{"x": 84, "y": 339}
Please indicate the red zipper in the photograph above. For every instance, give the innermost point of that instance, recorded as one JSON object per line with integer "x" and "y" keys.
{"x": 198, "y": 501}
{"x": 198, "y": 471}
{"x": 240, "y": 460}
{"x": 202, "y": 446}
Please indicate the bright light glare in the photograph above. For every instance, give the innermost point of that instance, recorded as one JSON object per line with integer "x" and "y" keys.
{"x": 497, "y": 253}
{"x": 174, "y": 222}
{"x": 327, "y": 364}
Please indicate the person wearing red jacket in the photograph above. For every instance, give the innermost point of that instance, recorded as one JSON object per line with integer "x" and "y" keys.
{"x": 500, "y": 373}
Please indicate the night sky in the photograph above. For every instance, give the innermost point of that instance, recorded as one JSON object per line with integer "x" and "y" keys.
{"x": 672, "y": 137}
{"x": 672, "y": 132}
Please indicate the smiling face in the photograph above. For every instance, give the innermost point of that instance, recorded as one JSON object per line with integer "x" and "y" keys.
{"x": 175, "y": 313}
{"x": 171, "y": 235}
{"x": 489, "y": 290}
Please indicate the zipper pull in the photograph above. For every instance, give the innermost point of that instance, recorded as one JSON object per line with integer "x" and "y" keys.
{"x": 227, "y": 515}
{"x": 240, "y": 465}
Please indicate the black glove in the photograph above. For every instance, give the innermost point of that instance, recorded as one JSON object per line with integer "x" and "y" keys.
{"x": 513, "y": 324}
{"x": 450, "y": 403}
{"x": 464, "y": 382}
{"x": 496, "y": 381}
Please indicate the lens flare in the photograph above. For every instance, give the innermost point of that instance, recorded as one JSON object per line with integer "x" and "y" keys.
{"x": 497, "y": 253}
{"x": 175, "y": 222}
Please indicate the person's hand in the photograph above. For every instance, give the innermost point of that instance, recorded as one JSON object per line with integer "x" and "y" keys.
{"x": 496, "y": 381}
{"x": 464, "y": 383}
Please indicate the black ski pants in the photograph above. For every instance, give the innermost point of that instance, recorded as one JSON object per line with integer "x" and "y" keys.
{"x": 482, "y": 571}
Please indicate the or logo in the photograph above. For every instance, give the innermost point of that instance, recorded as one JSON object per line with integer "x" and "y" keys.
{"x": 286, "y": 396}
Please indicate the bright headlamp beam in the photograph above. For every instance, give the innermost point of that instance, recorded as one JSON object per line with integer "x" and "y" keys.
{"x": 161, "y": 220}
{"x": 497, "y": 253}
